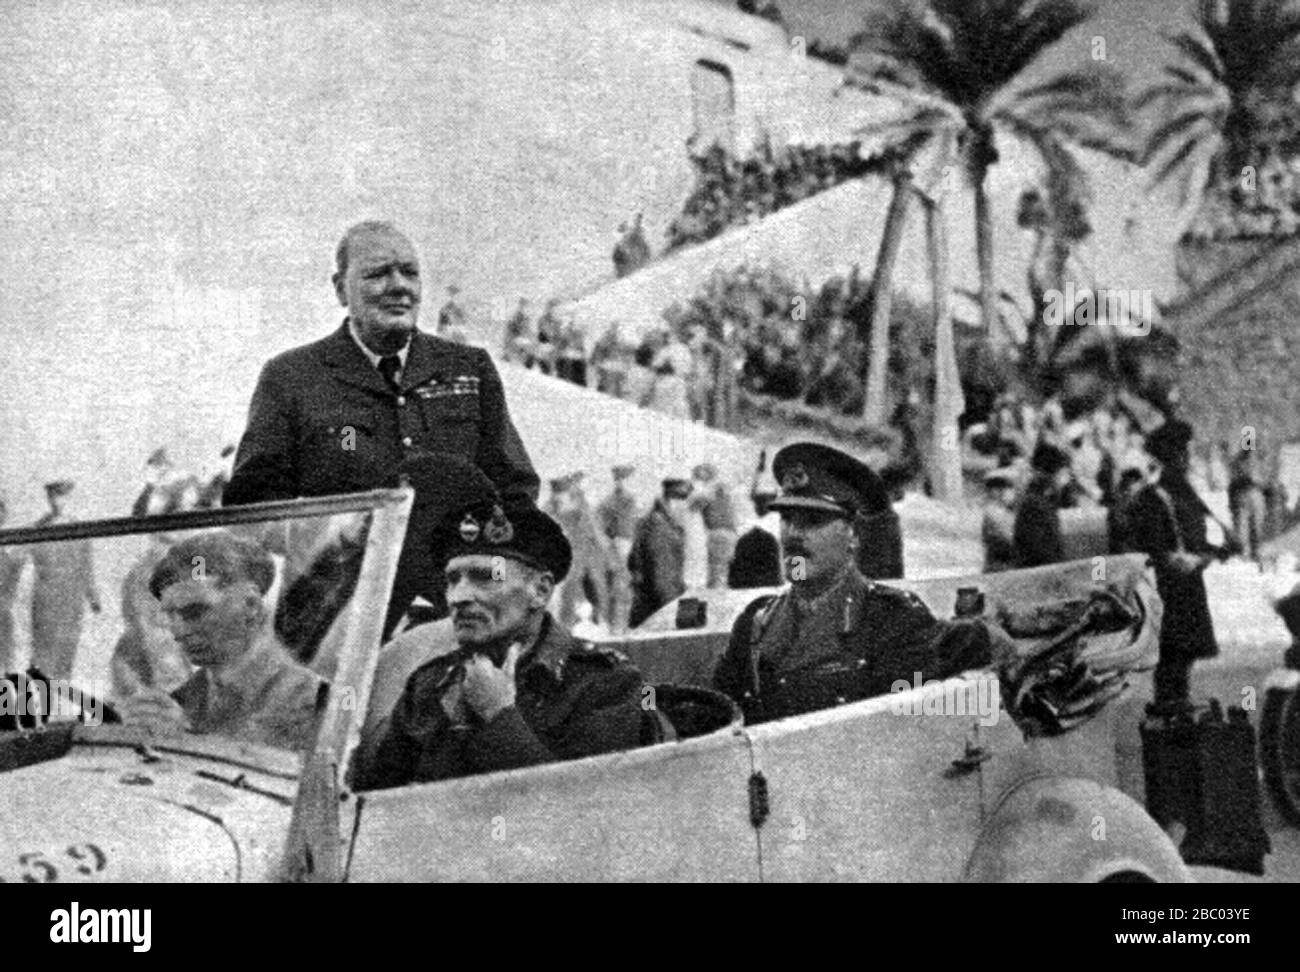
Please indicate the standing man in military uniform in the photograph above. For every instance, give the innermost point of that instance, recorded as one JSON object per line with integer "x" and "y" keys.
{"x": 62, "y": 588}
{"x": 713, "y": 501}
{"x": 617, "y": 516}
{"x": 1036, "y": 534}
{"x": 1167, "y": 521}
{"x": 343, "y": 414}
{"x": 517, "y": 689}
{"x": 658, "y": 558}
{"x": 835, "y": 637}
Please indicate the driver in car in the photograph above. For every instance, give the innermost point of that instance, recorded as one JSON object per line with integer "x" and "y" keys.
{"x": 518, "y": 690}
{"x": 833, "y": 636}
{"x": 211, "y": 589}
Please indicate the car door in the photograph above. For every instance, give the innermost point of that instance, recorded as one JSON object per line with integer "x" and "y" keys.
{"x": 672, "y": 812}
{"x": 880, "y": 790}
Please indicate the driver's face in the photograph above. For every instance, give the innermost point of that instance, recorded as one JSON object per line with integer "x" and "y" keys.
{"x": 815, "y": 545}
{"x": 381, "y": 288}
{"x": 214, "y": 625}
{"x": 491, "y": 599}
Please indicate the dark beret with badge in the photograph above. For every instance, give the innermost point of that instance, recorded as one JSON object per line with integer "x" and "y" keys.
{"x": 817, "y": 477}
{"x": 520, "y": 532}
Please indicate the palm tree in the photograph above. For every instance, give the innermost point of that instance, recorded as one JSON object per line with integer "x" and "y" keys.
{"x": 957, "y": 68}
{"x": 1226, "y": 99}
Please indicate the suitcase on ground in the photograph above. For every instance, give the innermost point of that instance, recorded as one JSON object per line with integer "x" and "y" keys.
{"x": 1201, "y": 770}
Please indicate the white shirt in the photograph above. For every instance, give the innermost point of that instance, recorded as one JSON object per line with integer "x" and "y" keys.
{"x": 373, "y": 358}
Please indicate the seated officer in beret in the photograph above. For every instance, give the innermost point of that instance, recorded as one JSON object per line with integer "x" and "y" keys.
{"x": 518, "y": 690}
{"x": 211, "y": 589}
{"x": 834, "y": 636}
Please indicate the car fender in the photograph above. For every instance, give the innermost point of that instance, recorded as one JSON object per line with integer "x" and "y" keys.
{"x": 1072, "y": 830}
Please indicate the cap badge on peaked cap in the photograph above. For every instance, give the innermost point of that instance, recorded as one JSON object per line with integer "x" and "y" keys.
{"x": 796, "y": 477}
{"x": 498, "y": 529}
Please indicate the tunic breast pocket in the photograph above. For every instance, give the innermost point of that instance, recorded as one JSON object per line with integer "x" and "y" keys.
{"x": 451, "y": 421}
{"x": 343, "y": 452}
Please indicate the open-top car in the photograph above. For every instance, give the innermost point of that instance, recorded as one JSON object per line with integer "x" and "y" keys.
{"x": 987, "y": 776}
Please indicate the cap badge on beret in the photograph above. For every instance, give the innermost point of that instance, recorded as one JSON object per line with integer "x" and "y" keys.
{"x": 469, "y": 528}
{"x": 498, "y": 529}
{"x": 796, "y": 477}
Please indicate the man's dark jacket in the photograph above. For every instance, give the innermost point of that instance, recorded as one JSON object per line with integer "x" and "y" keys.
{"x": 1037, "y": 532}
{"x": 657, "y": 563}
{"x": 1158, "y": 527}
{"x": 573, "y": 700}
{"x": 323, "y": 421}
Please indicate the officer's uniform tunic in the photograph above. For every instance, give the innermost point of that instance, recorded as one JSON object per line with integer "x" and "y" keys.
{"x": 852, "y": 642}
{"x": 573, "y": 700}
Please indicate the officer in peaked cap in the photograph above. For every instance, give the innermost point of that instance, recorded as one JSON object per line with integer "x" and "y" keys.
{"x": 833, "y": 636}
{"x": 517, "y": 689}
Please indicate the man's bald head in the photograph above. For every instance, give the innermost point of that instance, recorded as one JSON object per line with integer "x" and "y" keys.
{"x": 370, "y": 226}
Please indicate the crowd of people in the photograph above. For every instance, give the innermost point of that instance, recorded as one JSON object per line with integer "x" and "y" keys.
{"x": 1032, "y": 460}
{"x": 731, "y": 191}
{"x": 629, "y": 561}
{"x": 64, "y": 583}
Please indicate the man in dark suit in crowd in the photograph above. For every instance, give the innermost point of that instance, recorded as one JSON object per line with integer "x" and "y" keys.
{"x": 1037, "y": 531}
{"x": 658, "y": 557}
{"x": 343, "y": 413}
{"x": 1167, "y": 521}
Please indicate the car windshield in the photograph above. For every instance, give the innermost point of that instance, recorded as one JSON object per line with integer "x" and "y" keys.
{"x": 232, "y": 624}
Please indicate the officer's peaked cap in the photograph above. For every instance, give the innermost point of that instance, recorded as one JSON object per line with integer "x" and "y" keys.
{"x": 817, "y": 477}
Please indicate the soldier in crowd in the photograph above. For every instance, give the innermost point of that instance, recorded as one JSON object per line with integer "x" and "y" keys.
{"x": 11, "y": 571}
{"x": 1168, "y": 524}
{"x": 342, "y": 414}
{"x": 617, "y": 516}
{"x": 211, "y": 588}
{"x": 63, "y": 586}
{"x": 1037, "y": 531}
{"x": 611, "y": 358}
{"x": 586, "y": 576}
{"x": 711, "y": 498}
{"x": 514, "y": 689}
{"x": 834, "y": 636}
{"x": 1246, "y": 502}
{"x": 520, "y": 337}
{"x": 658, "y": 558}
{"x": 998, "y": 523}
{"x": 632, "y": 251}
{"x": 571, "y": 360}
{"x": 549, "y": 336}
{"x": 451, "y": 318}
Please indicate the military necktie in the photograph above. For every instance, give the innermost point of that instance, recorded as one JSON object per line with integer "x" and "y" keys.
{"x": 389, "y": 366}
